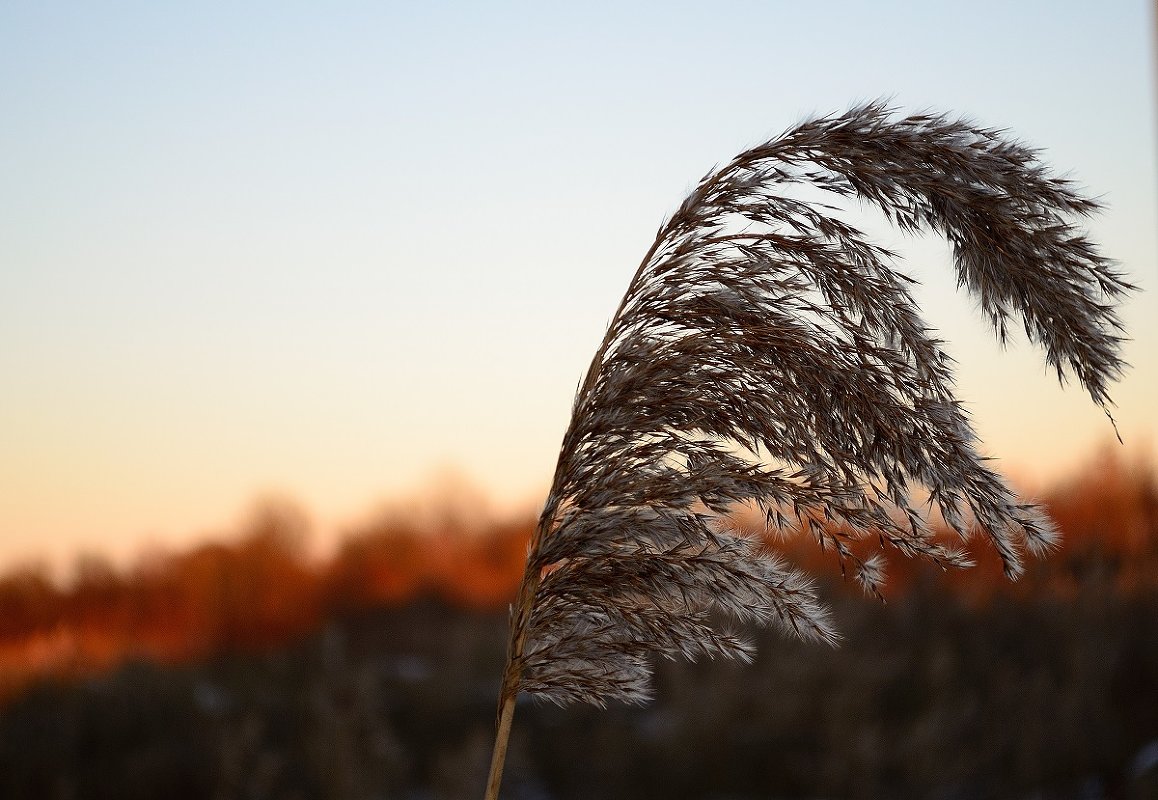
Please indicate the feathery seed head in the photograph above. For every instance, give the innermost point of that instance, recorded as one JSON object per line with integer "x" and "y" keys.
{"x": 767, "y": 353}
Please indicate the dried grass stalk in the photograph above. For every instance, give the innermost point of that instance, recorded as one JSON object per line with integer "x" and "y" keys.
{"x": 767, "y": 353}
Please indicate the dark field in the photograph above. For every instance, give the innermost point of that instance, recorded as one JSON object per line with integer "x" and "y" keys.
{"x": 281, "y": 680}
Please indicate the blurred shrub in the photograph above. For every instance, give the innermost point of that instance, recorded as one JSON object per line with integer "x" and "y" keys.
{"x": 249, "y": 669}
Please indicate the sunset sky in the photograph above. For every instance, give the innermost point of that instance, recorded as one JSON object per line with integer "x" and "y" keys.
{"x": 363, "y": 253}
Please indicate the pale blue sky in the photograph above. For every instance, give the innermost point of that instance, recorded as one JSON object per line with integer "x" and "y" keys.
{"x": 252, "y": 248}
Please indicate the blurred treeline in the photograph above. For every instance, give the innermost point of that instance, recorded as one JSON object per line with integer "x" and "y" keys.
{"x": 249, "y": 669}
{"x": 250, "y": 592}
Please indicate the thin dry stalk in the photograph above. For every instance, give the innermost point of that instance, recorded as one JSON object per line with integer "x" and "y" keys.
{"x": 766, "y": 353}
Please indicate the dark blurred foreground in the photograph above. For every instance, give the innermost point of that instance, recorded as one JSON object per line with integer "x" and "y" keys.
{"x": 289, "y": 680}
{"x": 926, "y": 698}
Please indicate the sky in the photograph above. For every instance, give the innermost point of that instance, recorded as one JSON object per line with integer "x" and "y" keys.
{"x": 361, "y": 251}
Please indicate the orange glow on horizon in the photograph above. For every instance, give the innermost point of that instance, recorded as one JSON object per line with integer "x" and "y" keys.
{"x": 263, "y": 588}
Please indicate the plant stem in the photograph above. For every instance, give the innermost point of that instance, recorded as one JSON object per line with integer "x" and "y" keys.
{"x": 499, "y": 757}
{"x": 512, "y": 675}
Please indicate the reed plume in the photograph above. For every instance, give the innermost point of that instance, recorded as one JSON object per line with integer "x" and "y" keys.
{"x": 766, "y": 353}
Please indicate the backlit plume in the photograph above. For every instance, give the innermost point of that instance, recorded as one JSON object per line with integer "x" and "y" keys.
{"x": 766, "y": 353}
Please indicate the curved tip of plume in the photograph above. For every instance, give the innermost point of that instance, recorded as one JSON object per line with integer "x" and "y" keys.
{"x": 767, "y": 352}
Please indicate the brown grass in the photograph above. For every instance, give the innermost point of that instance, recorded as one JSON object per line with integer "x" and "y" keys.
{"x": 766, "y": 353}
